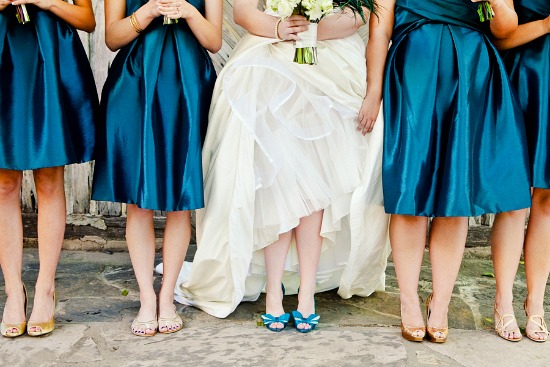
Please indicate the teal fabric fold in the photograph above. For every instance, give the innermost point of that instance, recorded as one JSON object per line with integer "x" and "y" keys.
{"x": 48, "y": 98}
{"x": 154, "y": 113}
{"x": 454, "y": 135}
{"x": 529, "y": 68}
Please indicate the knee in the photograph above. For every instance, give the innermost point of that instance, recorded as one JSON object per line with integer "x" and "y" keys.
{"x": 182, "y": 215}
{"x": 134, "y": 211}
{"x": 513, "y": 215}
{"x": 10, "y": 186}
{"x": 541, "y": 201}
{"x": 49, "y": 181}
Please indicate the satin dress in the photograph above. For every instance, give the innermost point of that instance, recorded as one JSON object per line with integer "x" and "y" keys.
{"x": 282, "y": 144}
{"x": 154, "y": 113}
{"x": 529, "y": 68}
{"x": 48, "y": 97}
{"x": 454, "y": 140}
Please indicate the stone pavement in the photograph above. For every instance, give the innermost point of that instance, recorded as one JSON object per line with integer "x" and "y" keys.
{"x": 93, "y": 326}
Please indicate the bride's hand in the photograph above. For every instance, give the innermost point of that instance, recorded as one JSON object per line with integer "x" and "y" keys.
{"x": 291, "y": 26}
{"x": 368, "y": 114}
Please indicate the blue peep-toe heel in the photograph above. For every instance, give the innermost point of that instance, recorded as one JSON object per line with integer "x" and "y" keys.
{"x": 269, "y": 319}
{"x": 312, "y": 320}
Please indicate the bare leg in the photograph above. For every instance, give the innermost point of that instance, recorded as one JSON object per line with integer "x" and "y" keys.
{"x": 408, "y": 241}
{"x": 308, "y": 244}
{"x": 506, "y": 246}
{"x": 11, "y": 245}
{"x": 275, "y": 257}
{"x": 537, "y": 257}
{"x": 140, "y": 235}
{"x": 176, "y": 241}
{"x": 447, "y": 243}
{"x": 51, "y": 230}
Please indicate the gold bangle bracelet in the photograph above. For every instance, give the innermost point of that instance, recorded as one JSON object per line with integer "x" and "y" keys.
{"x": 135, "y": 23}
{"x": 277, "y": 29}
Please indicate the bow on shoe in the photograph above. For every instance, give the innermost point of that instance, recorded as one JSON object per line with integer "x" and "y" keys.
{"x": 269, "y": 319}
{"x": 312, "y": 321}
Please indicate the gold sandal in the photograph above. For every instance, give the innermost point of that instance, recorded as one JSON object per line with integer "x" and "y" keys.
{"x": 139, "y": 328}
{"x": 541, "y": 325}
{"x": 6, "y": 329}
{"x": 164, "y": 322}
{"x": 500, "y": 326}
{"x": 432, "y": 331}
{"x": 43, "y": 328}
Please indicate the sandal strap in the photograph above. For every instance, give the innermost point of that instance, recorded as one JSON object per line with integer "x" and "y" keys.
{"x": 541, "y": 325}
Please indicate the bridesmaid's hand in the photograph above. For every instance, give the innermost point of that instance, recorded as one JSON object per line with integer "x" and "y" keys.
{"x": 291, "y": 26}
{"x": 175, "y": 9}
{"x": 152, "y": 9}
{"x": 368, "y": 113}
{"x": 547, "y": 24}
{"x": 4, "y": 4}
{"x": 42, "y": 4}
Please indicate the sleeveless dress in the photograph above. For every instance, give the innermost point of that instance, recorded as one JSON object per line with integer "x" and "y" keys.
{"x": 282, "y": 144}
{"x": 454, "y": 139}
{"x": 154, "y": 111}
{"x": 529, "y": 68}
{"x": 48, "y": 98}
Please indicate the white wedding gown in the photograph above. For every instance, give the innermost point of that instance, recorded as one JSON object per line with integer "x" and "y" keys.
{"x": 281, "y": 144}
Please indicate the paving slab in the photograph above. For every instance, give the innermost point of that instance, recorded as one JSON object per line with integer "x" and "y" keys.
{"x": 98, "y": 298}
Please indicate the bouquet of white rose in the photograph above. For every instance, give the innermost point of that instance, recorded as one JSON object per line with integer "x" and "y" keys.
{"x": 314, "y": 11}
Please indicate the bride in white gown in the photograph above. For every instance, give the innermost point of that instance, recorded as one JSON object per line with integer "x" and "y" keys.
{"x": 283, "y": 151}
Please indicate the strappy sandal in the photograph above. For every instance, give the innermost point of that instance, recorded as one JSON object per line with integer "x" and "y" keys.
{"x": 7, "y": 328}
{"x": 541, "y": 325}
{"x": 140, "y": 328}
{"x": 168, "y": 323}
{"x": 500, "y": 326}
{"x": 432, "y": 333}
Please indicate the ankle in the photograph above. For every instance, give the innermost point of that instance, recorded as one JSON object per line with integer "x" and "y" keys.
{"x": 15, "y": 289}
{"x": 534, "y": 305}
{"x": 45, "y": 289}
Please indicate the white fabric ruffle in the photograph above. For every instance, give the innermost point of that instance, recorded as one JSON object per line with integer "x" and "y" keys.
{"x": 282, "y": 144}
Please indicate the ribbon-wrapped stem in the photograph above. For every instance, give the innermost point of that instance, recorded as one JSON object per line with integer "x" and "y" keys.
{"x": 168, "y": 20}
{"x": 306, "y": 46}
{"x": 485, "y": 11}
{"x": 22, "y": 14}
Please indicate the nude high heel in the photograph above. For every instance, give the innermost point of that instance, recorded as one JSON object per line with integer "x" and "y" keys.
{"x": 6, "y": 329}
{"x": 432, "y": 331}
{"x": 500, "y": 326}
{"x": 43, "y": 328}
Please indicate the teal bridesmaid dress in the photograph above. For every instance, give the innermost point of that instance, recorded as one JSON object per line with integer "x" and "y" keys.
{"x": 454, "y": 140}
{"x": 529, "y": 68}
{"x": 154, "y": 113}
{"x": 48, "y": 98}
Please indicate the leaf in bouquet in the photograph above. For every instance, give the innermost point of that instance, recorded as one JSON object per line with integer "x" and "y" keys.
{"x": 357, "y": 6}
{"x": 485, "y": 11}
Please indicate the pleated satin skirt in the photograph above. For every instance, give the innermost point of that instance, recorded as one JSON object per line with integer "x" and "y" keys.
{"x": 154, "y": 113}
{"x": 454, "y": 135}
{"x": 48, "y": 98}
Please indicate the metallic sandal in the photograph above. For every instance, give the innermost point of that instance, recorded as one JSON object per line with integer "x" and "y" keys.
{"x": 139, "y": 328}
{"x": 500, "y": 326}
{"x": 168, "y": 323}
{"x": 541, "y": 325}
